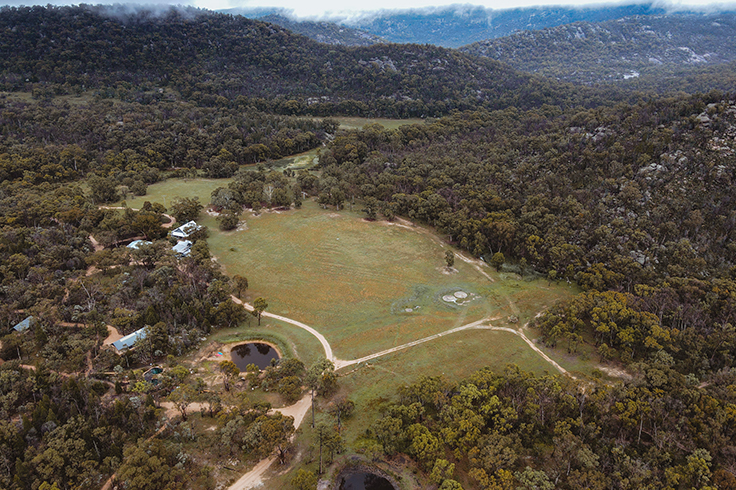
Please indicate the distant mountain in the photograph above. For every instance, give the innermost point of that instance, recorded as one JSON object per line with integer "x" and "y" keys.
{"x": 456, "y": 26}
{"x": 620, "y": 49}
{"x": 323, "y": 32}
{"x": 451, "y": 27}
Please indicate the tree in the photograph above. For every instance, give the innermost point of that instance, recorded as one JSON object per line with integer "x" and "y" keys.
{"x": 241, "y": 285}
{"x": 259, "y": 306}
{"x": 228, "y": 220}
{"x": 497, "y": 260}
{"x": 304, "y": 480}
{"x": 341, "y": 408}
{"x": 148, "y": 225}
{"x": 182, "y": 397}
{"x": 149, "y": 466}
{"x": 230, "y": 370}
{"x": 290, "y": 387}
{"x": 450, "y": 258}
{"x": 186, "y": 209}
{"x": 371, "y": 208}
{"x": 103, "y": 189}
{"x": 321, "y": 379}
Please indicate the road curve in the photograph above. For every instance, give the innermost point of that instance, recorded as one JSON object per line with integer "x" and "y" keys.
{"x": 322, "y": 340}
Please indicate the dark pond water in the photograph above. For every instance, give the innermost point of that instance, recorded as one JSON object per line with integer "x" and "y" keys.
{"x": 253, "y": 353}
{"x": 365, "y": 481}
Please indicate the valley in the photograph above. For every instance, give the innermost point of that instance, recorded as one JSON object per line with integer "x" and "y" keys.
{"x": 233, "y": 256}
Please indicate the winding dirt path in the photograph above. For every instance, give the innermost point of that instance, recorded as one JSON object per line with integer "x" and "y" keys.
{"x": 322, "y": 340}
{"x": 96, "y": 245}
{"x": 341, "y": 363}
{"x": 254, "y": 478}
{"x": 530, "y": 343}
{"x": 163, "y": 225}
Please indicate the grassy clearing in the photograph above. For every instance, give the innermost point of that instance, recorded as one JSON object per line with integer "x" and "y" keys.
{"x": 367, "y": 286}
{"x": 301, "y": 161}
{"x": 168, "y": 190}
{"x": 455, "y": 357}
{"x": 360, "y": 122}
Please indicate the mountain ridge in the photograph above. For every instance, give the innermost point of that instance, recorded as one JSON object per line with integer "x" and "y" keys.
{"x": 618, "y": 49}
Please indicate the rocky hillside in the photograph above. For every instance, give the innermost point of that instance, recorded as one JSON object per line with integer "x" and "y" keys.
{"x": 620, "y": 49}
{"x": 456, "y": 26}
{"x": 325, "y": 32}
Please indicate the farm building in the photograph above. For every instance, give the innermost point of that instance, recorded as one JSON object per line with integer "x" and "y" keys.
{"x": 183, "y": 248}
{"x": 129, "y": 340}
{"x": 186, "y": 230}
{"x": 136, "y": 244}
{"x": 25, "y": 324}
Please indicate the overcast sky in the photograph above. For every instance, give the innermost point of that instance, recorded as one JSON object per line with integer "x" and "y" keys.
{"x": 341, "y": 8}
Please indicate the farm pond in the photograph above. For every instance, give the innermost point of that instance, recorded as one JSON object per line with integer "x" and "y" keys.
{"x": 365, "y": 481}
{"x": 256, "y": 353}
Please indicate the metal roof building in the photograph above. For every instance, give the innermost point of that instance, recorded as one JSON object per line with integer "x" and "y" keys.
{"x": 186, "y": 230}
{"x": 182, "y": 248}
{"x": 129, "y": 340}
{"x": 136, "y": 244}
{"x": 24, "y": 325}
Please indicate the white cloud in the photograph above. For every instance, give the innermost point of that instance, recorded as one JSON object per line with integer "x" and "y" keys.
{"x": 342, "y": 10}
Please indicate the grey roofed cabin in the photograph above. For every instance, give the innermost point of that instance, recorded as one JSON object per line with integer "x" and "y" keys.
{"x": 24, "y": 325}
{"x": 186, "y": 230}
{"x": 136, "y": 244}
{"x": 183, "y": 248}
{"x": 129, "y": 340}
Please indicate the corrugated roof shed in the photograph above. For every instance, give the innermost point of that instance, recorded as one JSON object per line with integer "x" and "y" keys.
{"x": 182, "y": 248}
{"x": 185, "y": 230}
{"x": 129, "y": 340}
{"x": 24, "y": 325}
{"x": 135, "y": 245}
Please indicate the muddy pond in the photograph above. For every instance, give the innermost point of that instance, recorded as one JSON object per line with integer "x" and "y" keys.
{"x": 256, "y": 353}
{"x": 365, "y": 481}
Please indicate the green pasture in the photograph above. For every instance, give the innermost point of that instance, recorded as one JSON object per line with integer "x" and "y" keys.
{"x": 367, "y": 286}
{"x": 166, "y": 191}
{"x": 305, "y": 160}
{"x": 360, "y": 122}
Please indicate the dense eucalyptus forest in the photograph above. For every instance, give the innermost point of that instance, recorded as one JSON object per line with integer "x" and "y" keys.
{"x": 627, "y": 195}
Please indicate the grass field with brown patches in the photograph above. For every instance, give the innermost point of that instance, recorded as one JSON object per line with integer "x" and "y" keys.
{"x": 361, "y": 122}
{"x": 167, "y": 191}
{"x": 367, "y": 286}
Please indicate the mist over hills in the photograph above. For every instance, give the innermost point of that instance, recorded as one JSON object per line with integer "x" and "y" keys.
{"x": 325, "y": 32}
{"x": 457, "y": 25}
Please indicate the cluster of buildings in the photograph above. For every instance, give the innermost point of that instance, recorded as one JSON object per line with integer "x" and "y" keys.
{"x": 183, "y": 246}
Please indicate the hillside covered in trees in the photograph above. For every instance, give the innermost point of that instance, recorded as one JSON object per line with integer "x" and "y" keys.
{"x": 623, "y": 49}
{"x": 205, "y": 57}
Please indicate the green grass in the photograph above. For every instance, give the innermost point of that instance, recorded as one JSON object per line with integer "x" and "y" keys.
{"x": 360, "y": 122}
{"x": 354, "y": 280}
{"x": 301, "y": 161}
{"x": 166, "y": 191}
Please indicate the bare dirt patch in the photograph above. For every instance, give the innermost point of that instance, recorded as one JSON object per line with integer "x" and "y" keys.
{"x": 615, "y": 372}
{"x": 112, "y": 335}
